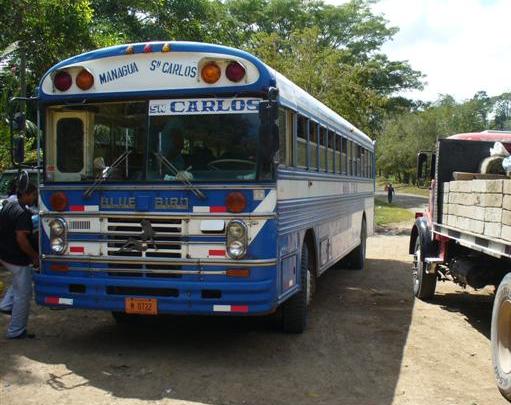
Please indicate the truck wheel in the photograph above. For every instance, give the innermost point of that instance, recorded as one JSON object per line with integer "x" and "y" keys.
{"x": 356, "y": 259}
{"x": 501, "y": 337}
{"x": 294, "y": 310}
{"x": 424, "y": 284}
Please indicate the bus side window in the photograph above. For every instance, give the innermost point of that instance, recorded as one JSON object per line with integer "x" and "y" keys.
{"x": 344, "y": 155}
{"x": 313, "y": 146}
{"x": 338, "y": 153}
{"x": 354, "y": 158}
{"x": 301, "y": 142}
{"x": 70, "y": 144}
{"x": 331, "y": 152}
{"x": 350, "y": 164}
{"x": 283, "y": 137}
{"x": 368, "y": 170}
{"x": 362, "y": 162}
{"x": 357, "y": 160}
{"x": 290, "y": 127}
{"x": 322, "y": 148}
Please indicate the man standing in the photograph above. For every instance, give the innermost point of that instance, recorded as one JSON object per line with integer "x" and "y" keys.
{"x": 390, "y": 192}
{"x": 16, "y": 255}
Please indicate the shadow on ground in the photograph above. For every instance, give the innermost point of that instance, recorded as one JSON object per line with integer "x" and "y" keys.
{"x": 476, "y": 308}
{"x": 350, "y": 354}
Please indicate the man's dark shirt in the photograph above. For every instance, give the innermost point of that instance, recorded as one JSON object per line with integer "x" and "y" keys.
{"x": 14, "y": 217}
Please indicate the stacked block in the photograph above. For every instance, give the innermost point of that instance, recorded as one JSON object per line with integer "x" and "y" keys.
{"x": 479, "y": 206}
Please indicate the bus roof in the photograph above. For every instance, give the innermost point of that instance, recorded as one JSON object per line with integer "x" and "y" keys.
{"x": 137, "y": 70}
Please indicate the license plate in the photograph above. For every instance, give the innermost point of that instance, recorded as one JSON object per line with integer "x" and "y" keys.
{"x": 145, "y": 306}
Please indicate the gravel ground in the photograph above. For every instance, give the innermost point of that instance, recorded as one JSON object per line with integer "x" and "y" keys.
{"x": 367, "y": 342}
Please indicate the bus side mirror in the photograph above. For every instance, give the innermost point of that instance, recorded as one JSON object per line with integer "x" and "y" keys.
{"x": 17, "y": 127}
{"x": 18, "y": 150}
{"x": 18, "y": 123}
{"x": 425, "y": 172}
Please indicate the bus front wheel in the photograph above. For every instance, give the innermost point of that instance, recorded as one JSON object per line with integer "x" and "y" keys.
{"x": 294, "y": 310}
{"x": 501, "y": 337}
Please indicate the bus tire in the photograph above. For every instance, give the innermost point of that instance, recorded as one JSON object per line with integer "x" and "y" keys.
{"x": 501, "y": 337}
{"x": 424, "y": 284}
{"x": 294, "y": 310}
{"x": 356, "y": 259}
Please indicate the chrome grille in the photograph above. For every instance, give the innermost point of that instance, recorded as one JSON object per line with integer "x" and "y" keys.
{"x": 127, "y": 237}
{"x": 144, "y": 270}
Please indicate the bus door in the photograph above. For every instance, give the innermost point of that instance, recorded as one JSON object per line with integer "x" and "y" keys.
{"x": 68, "y": 145}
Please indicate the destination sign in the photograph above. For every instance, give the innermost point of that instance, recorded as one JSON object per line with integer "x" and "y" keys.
{"x": 145, "y": 72}
{"x": 204, "y": 106}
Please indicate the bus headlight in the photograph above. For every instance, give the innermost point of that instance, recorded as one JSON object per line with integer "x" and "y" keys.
{"x": 57, "y": 245}
{"x": 237, "y": 236}
{"x": 57, "y": 227}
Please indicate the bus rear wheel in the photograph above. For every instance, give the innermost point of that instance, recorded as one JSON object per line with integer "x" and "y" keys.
{"x": 294, "y": 310}
{"x": 501, "y": 337}
{"x": 356, "y": 259}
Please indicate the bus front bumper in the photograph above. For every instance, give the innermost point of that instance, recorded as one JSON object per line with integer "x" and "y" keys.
{"x": 173, "y": 296}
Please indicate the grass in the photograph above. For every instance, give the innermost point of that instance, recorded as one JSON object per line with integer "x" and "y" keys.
{"x": 387, "y": 214}
{"x": 402, "y": 188}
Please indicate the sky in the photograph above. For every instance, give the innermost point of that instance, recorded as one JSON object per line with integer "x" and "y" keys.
{"x": 462, "y": 46}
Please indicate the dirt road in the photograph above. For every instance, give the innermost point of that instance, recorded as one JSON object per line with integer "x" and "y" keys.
{"x": 367, "y": 343}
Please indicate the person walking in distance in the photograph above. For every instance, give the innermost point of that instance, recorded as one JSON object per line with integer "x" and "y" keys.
{"x": 390, "y": 192}
{"x": 17, "y": 255}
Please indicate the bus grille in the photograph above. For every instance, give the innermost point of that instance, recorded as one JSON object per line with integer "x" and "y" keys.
{"x": 127, "y": 237}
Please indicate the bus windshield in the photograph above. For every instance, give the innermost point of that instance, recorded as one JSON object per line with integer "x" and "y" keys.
{"x": 209, "y": 147}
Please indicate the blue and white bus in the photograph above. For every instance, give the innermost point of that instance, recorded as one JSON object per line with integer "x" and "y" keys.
{"x": 190, "y": 178}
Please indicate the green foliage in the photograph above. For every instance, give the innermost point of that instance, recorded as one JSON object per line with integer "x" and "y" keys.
{"x": 387, "y": 214}
{"x": 333, "y": 52}
{"x": 408, "y": 133}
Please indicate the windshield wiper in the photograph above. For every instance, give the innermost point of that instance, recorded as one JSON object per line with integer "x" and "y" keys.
{"x": 105, "y": 174}
{"x": 195, "y": 190}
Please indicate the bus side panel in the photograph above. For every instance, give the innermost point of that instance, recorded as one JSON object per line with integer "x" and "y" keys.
{"x": 289, "y": 260}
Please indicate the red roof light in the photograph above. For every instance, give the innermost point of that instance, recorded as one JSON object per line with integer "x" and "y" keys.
{"x": 235, "y": 71}
{"x": 62, "y": 81}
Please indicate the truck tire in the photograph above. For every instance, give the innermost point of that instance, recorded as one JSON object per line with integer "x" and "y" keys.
{"x": 356, "y": 259}
{"x": 294, "y": 310}
{"x": 424, "y": 284}
{"x": 501, "y": 337}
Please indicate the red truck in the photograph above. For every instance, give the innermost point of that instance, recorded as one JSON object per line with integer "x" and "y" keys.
{"x": 464, "y": 234}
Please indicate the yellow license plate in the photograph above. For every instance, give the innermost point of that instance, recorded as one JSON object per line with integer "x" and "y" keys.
{"x": 144, "y": 306}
